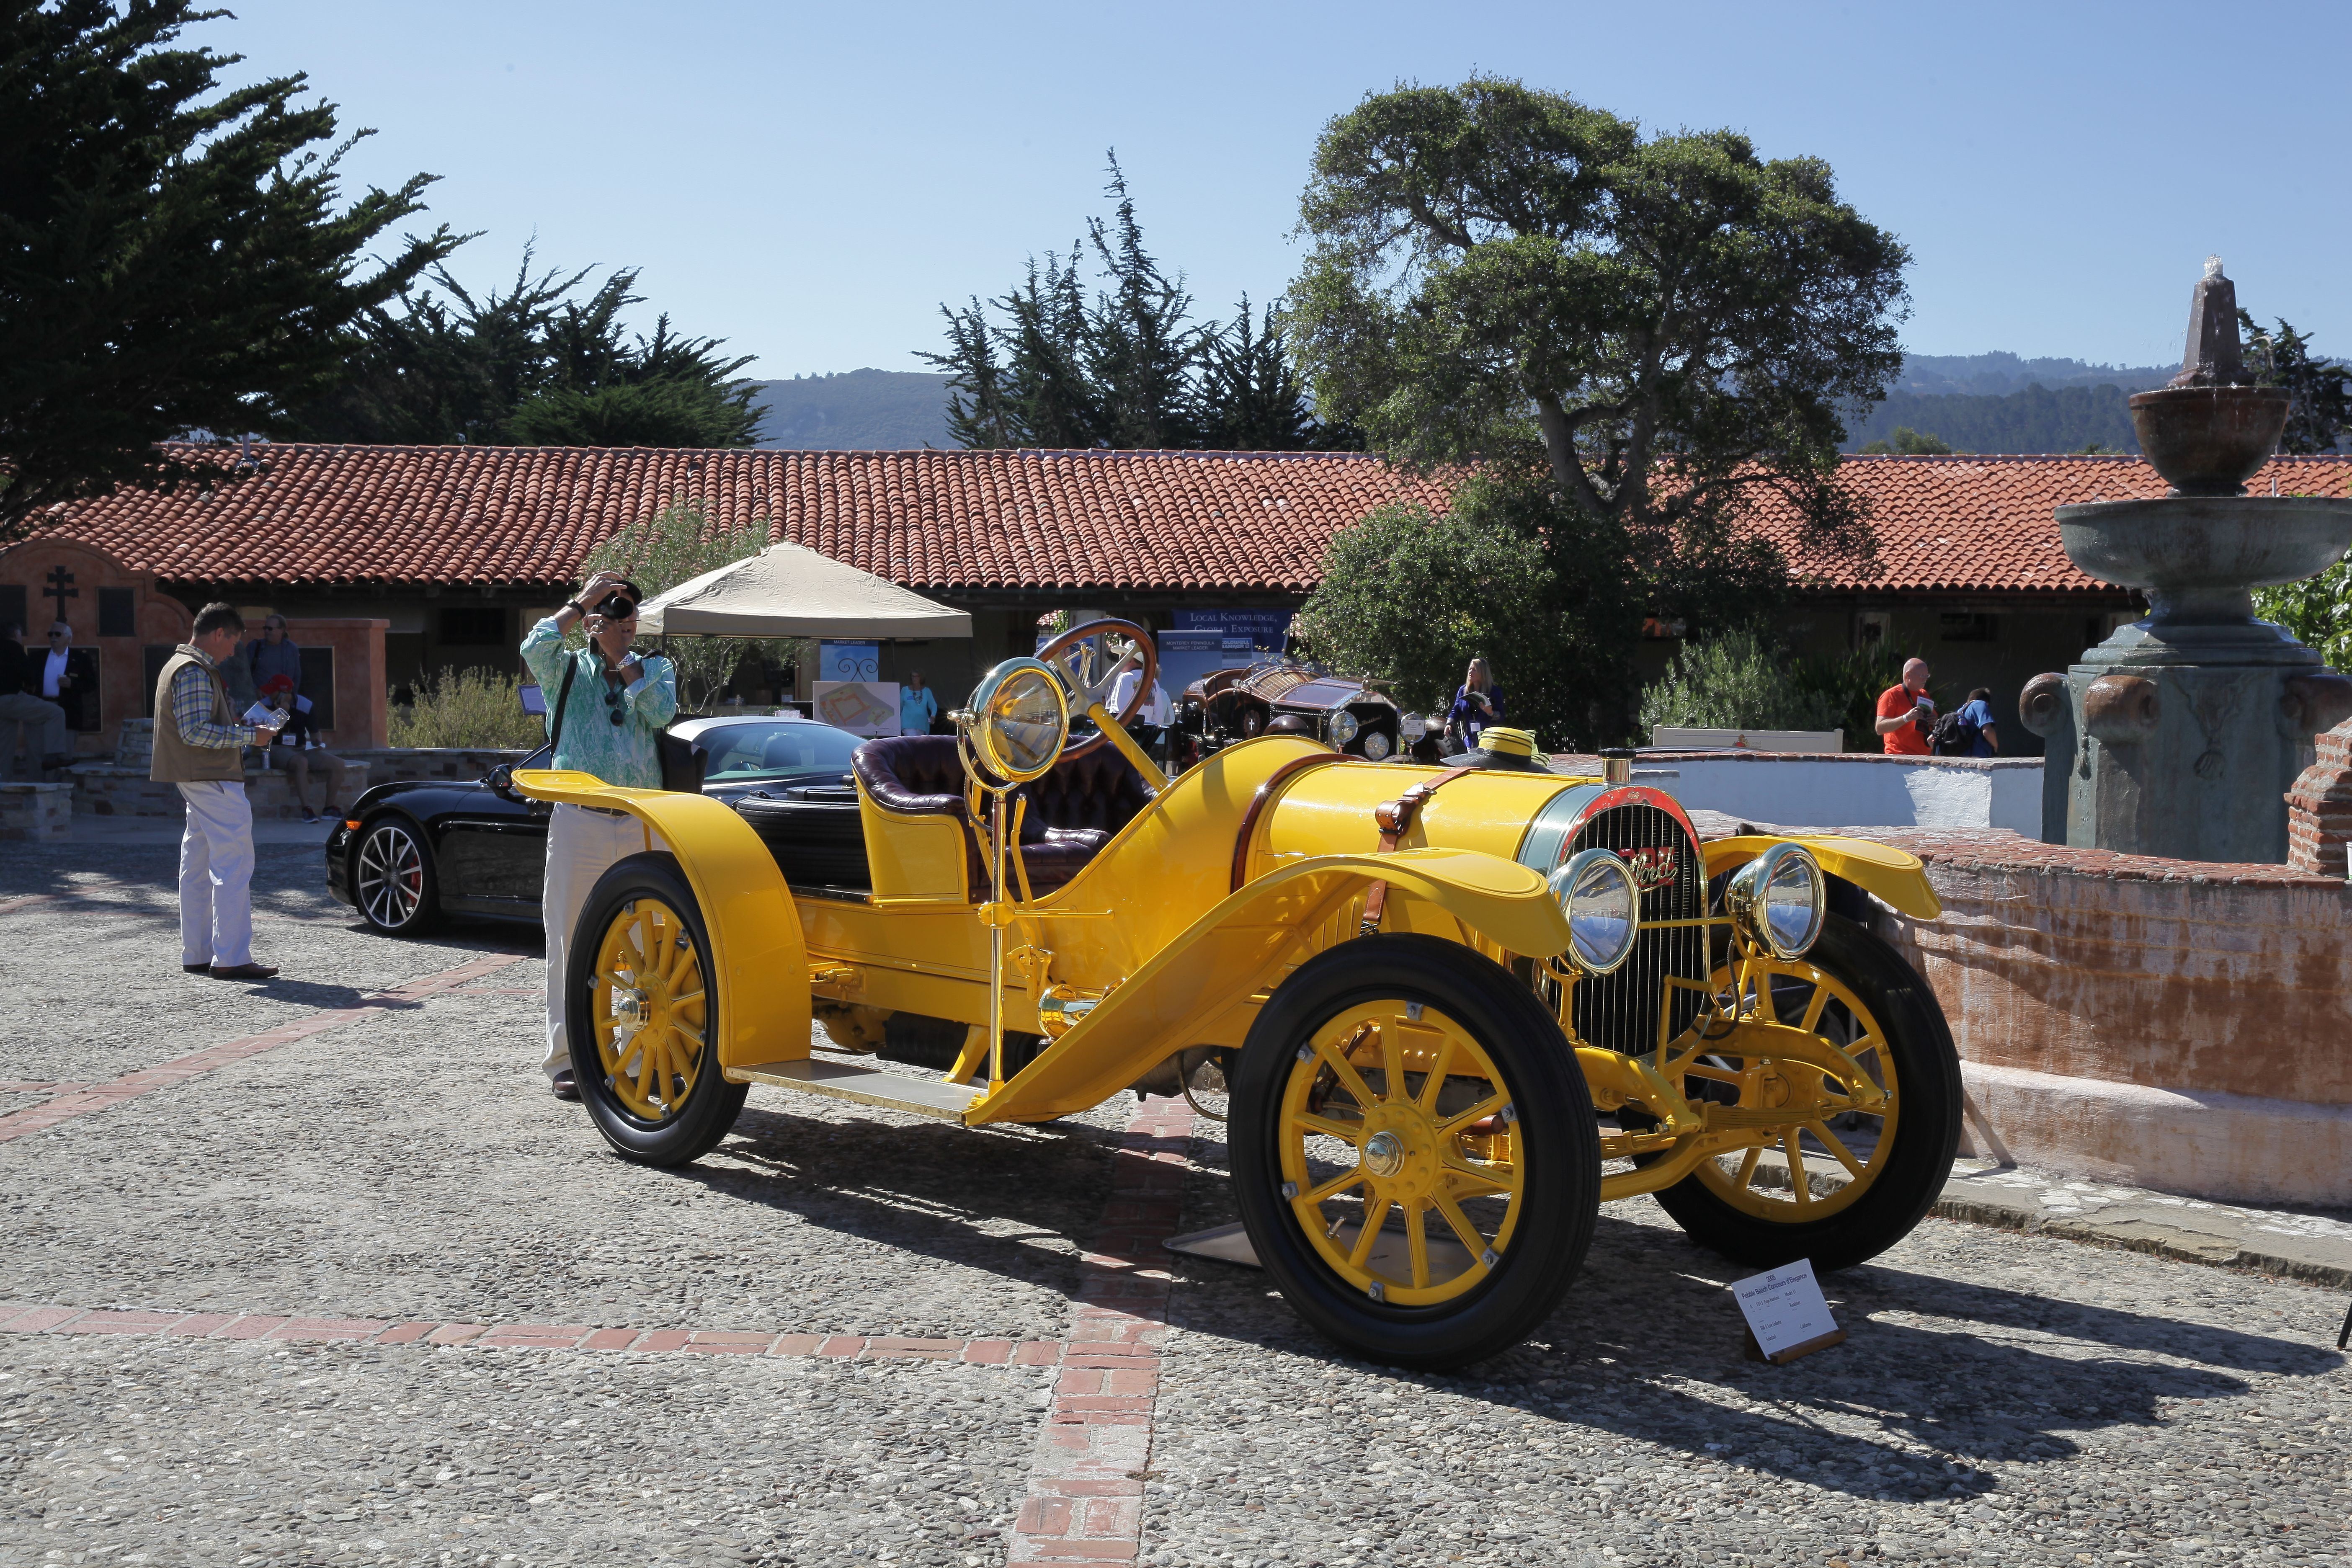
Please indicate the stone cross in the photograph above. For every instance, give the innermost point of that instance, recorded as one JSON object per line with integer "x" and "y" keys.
{"x": 60, "y": 589}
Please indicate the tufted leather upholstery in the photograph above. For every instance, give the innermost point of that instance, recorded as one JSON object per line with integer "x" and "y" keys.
{"x": 1074, "y": 810}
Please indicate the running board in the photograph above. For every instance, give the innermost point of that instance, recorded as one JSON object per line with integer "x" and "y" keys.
{"x": 839, "y": 1080}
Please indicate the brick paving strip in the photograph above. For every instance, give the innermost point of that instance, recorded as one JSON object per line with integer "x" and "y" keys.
{"x": 1086, "y": 1482}
{"x": 95, "y": 1097}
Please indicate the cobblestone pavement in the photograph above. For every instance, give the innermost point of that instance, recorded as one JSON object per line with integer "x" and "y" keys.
{"x": 335, "y": 1195}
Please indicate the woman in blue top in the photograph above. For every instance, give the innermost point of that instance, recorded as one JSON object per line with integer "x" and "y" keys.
{"x": 1477, "y": 703}
{"x": 617, "y": 703}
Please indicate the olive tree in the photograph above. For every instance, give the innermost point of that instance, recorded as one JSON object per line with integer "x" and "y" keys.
{"x": 676, "y": 545}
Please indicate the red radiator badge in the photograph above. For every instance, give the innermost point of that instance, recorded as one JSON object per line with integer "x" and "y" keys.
{"x": 1652, "y": 867}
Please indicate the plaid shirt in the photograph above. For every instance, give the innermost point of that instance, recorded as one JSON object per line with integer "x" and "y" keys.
{"x": 191, "y": 706}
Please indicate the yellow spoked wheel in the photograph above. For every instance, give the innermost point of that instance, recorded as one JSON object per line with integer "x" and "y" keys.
{"x": 1879, "y": 1167}
{"x": 652, "y": 1009}
{"x": 1413, "y": 1151}
{"x": 1823, "y": 1120}
{"x": 1398, "y": 1131}
{"x": 644, "y": 1015}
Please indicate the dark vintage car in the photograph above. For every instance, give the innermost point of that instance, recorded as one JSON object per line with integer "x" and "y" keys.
{"x": 1229, "y": 705}
{"x": 413, "y": 850}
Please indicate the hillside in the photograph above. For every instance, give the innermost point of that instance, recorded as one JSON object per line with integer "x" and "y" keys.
{"x": 857, "y": 410}
{"x": 1978, "y": 403}
{"x": 2035, "y": 420}
{"x": 1997, "y": 375}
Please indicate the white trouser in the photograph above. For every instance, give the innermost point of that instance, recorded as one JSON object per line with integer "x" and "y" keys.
{"x": 217, "y": 875}
{"x": 582, "y": 845}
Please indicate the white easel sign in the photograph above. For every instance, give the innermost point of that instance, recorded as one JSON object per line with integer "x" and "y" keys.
{"x": 1786, "y": 1315}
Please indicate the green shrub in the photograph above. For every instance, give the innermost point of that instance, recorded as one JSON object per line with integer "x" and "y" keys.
{"x": 468, "y": 708}
{"x": 2318, "y": 610}
{"x": 1851, "y": 682}
{"x": 1736, "y": 681}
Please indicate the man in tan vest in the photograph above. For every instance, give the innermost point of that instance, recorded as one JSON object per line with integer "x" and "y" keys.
{"x": 200, "y": 746}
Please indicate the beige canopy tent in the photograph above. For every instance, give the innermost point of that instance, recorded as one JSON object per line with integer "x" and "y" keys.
{"x": 790, "y": 591}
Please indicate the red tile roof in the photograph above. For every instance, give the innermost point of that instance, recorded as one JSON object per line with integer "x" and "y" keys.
{"x": 458, "y": 515}
{"x": 1984, "y": 525}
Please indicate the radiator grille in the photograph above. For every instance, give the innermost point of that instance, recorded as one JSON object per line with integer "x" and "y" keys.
{"x": 1620, "y": 1011}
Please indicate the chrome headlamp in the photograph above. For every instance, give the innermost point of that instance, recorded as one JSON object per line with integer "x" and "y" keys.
{"x": 1777, "y": 900}
{"x": 1343, "y": 726}
{"x": 1596, "y": 893}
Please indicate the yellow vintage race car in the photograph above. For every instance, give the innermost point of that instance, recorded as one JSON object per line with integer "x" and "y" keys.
{"x": 1456, "y": 1010}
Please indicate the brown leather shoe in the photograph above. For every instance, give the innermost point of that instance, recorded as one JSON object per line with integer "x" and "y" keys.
{"x": 242, "y": 971}
{"x": 563, "y": 1087}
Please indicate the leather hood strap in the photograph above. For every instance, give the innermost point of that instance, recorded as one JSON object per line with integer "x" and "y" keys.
{"x": 1394, "y": 818}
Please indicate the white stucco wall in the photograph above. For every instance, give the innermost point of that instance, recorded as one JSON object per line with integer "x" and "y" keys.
{"x": 1855, "y": 790}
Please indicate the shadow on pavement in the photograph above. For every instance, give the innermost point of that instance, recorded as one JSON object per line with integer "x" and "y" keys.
{"x": 1648, "y": 1313}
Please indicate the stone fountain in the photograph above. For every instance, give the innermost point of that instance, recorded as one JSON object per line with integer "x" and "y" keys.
{"x": 2180, "y": 735}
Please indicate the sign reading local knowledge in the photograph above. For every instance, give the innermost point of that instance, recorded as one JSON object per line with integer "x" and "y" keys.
{"x": 1785, "y": 1311}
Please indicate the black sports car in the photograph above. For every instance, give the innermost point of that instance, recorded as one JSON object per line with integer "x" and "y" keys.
{"x": 410, "y": 851}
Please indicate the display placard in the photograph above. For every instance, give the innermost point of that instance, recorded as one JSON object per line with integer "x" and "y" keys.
{"x": 1786, "y": 1315}
{"x": 860, "y": 707}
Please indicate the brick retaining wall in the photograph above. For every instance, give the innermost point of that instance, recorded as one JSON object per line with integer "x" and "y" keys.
{"x": 36, "y": 813}
{"x": 2180, "y": 1024}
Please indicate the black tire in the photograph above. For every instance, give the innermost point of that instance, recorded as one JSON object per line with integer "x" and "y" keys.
{"x": 395, "y": 884}
{"x": 1927, "y": 1130}
{"x": 693, "y": 1127}
{"x": 1560, "y": 1196}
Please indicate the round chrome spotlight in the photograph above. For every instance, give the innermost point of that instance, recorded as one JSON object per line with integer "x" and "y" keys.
{"x": 1343, "y": 727}
{"x": 1596, "y": 891}
{"x": 1778, "y": 901}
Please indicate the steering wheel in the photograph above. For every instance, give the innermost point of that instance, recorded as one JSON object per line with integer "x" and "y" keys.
{"x": 1089, "y": 685}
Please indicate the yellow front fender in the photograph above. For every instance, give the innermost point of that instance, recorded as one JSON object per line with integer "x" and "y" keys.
{"x": 757, "y": 952}
{"x": 1894, "y": 876}
{"x": 1244, "y": 944}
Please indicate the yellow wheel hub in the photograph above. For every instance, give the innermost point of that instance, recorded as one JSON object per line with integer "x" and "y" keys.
{"x": 1815, "y": 1121}
{"x": 652, "y": 1010}
{"x": 1401, "y": 1153}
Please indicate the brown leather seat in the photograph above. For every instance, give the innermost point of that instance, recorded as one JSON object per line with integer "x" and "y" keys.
{"x": 1074, "y": 810}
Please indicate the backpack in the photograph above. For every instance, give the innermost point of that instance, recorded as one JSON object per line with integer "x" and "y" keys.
{"x": 1953, "y": 736}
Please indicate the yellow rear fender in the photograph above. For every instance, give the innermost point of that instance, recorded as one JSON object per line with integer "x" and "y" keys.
{"x": 757, "y": 952}
{"x": 1245, "y": 944}
{"x": 1895, "y": 877}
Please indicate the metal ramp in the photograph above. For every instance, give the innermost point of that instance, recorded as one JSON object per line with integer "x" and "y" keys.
{"x": 865, "y": 1086}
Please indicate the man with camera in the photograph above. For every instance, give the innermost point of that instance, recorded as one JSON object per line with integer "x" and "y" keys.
{"x": 1905, "y": 712}
{"x": 605, "y": 704}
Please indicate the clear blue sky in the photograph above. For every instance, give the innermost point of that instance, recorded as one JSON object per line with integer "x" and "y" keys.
{"x": 810, "y": 182}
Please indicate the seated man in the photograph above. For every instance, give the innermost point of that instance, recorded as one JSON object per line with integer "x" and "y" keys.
{"x": 302, "y": 748}
{"x": 22, "y": 709}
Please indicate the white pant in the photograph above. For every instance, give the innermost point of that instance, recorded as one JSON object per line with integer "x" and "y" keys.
{"x": 217, "y": 875}
{"x": 582, "y": 845}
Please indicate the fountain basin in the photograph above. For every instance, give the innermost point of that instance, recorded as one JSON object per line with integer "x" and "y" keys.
{"x": 2209, "y": 440}
{"x": 2197, "y": 557}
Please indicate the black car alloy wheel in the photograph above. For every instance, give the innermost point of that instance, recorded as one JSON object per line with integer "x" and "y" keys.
{"x": 391, "y": 878}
